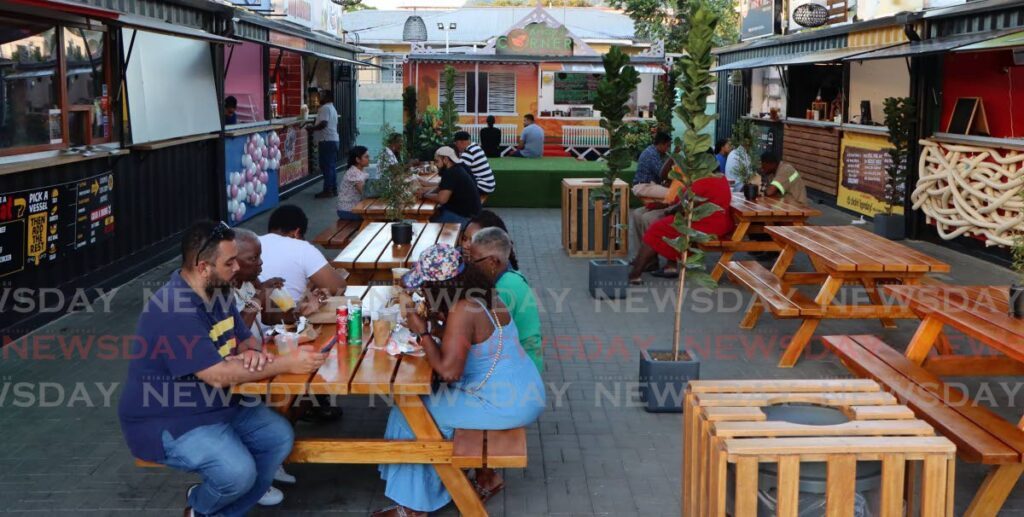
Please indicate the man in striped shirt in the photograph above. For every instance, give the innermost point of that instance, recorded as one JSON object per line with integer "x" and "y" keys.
{"x": 473, "y": 158}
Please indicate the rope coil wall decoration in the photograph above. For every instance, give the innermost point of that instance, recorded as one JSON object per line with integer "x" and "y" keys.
{"x": 972, "y": 191}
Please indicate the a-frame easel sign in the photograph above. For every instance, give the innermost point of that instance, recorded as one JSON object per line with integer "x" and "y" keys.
{"x": 968, "y": 117}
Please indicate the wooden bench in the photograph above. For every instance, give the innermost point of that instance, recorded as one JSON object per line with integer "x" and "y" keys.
{"x": 783, "y": 301}
{"x": 337, "y": 235}
{"x": 469, "y": 449}
{"x": 980, "y": 435}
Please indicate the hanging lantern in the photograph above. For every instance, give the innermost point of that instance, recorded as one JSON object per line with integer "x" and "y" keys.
{"x": 415, "y": 29}
{"x": 810, "y": 15}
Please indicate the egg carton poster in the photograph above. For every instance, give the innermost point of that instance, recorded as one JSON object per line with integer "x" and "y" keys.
{"x": 251, "y": 164}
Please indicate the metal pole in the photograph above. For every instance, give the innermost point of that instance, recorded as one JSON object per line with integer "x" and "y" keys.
{"x": 446, "y": 41}
{"x": 476, "y": 101}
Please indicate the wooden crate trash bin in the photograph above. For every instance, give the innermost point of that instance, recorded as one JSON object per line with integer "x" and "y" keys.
{"x": 583, "y": 227}
{"x": 729, "y": 437}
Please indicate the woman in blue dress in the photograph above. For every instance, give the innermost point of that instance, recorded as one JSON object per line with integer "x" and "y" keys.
{"x": 488, "y": 380}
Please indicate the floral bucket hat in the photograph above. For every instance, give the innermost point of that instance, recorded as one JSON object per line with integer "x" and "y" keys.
{"x": 437, "y": 263}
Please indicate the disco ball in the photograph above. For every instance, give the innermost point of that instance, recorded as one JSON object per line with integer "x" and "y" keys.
{"x": 810, "y": 15}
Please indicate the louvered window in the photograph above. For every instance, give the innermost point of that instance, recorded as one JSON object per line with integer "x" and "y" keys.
{"x": 488, "y": 93}
{"x": 501, "y": 94}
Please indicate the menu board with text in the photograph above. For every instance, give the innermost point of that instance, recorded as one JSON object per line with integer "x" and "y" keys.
{"x": 864, "y": 170}
{"x": 39, "y": 225}
{"x": 576, "y": 89}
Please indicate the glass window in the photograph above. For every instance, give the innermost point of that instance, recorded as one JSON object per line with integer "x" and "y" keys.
{"x": 501, "y": 96}
{"x": 30, "y": 114}
{"x": 86, "y": 84}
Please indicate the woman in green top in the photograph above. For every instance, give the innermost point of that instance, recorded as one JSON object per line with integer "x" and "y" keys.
{"x": 487, "y": 245}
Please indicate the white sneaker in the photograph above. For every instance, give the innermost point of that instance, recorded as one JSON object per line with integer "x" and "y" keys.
{"x": 283, "y": 477}
{"x": 273, "y": 497}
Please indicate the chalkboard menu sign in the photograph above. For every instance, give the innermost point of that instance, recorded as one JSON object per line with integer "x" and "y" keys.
{"x": 38, "y": 225}
{"x": 865, "y": 170}
{"x": 576, "y": 89}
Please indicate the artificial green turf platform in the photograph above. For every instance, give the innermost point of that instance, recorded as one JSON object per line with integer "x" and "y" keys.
{"x": 537, "y": 183}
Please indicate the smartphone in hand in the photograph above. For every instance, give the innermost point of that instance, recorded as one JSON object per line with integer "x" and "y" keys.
{"x": 327, "y": 348}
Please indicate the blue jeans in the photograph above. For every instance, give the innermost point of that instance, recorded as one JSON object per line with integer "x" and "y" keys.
{"x": 447, "y": 216}
{"x": 328, "y": 152}
{"x": 345, "y": 215}
{"x": 236, "y": 459}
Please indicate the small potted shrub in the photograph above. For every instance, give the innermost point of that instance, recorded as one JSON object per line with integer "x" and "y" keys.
{"x": 396, "y": 191}
{"x": 610, "y": 278}
{"x": 750, "y": 164}
{"x": 1017, "y": 289}
{"x": 899, "y": 117}
{"x": 665, "y": 374}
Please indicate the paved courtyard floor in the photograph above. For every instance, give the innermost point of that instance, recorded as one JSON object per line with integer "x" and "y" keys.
{"x": 594, "y": 452}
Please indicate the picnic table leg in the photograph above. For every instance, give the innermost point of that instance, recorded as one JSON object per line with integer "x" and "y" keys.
{"x": 924, "y": 339}
{"x": 872, "y": 288}
{"x": 806, "y": 331}
{"x": 994, "y": 489}
{"x": 738, "y": 235}
{"x": 424, "y": 427}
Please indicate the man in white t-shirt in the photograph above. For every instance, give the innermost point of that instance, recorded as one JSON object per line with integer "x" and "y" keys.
{"x": 287, "y": 255}
{"x": 327, "y": 140}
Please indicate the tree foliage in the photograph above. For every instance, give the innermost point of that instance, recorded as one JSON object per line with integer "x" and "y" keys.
{"x": 410, "y": 130}
{"x": 665, "y": 101}
{"x": 395, "y": 188}
{"x": 900, "y": 113}
{"x": 613, "y": 94}
{"x": 743, "y": 138}
{"x": 666, "y": 20}
{"x": 449, "y": 111}
{"x": 695, "y": 163}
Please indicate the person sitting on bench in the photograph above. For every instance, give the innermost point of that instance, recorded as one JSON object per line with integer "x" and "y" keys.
{"x": 488, "y": 382}
{"x": 782, "y": 179}
{"x": 719, "y": 224}
{"x": 531, "y": 141}
{"x": 191, "y": 346}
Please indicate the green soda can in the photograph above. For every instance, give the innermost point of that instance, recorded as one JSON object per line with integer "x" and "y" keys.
{"x": 355, "y": 324}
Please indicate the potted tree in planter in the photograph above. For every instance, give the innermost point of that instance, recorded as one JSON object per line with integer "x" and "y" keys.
{"x": 899, "y": 117}
{"x": 664, "y": 374}
{"x": 396, "y": 191}
{"x": 750, "y": 164}
{"x": 610, "y": 278}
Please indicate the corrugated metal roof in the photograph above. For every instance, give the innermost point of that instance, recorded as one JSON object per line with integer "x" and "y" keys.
{"x": 477, "y": 25}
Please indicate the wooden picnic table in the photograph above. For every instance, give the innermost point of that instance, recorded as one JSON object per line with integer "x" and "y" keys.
{"x": 355, "y": 369}
{"x": 980, "y": 312}
{"x": 981, "y": 435}
{"x": 371, "y": 254}
{"x": 374, "y": 209}
{"x": 751, "y": 217}
{"x": 840, "y": 255}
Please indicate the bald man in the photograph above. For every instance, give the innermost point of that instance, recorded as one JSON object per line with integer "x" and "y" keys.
{"x": 251, "y": 300}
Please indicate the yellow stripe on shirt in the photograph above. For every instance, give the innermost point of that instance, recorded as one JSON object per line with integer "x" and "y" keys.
{"x": 218, "y": 330}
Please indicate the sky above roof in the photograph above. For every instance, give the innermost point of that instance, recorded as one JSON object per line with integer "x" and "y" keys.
{"x": 480, "y": 24}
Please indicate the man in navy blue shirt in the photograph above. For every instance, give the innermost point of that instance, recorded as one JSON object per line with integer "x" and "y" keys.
{"x": 191, "y": 346}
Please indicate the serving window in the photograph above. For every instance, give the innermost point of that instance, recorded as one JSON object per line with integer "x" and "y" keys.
{"x": 54, "y": 86}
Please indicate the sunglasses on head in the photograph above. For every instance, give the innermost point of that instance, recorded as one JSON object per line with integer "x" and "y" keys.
{"x": 216, "y": 235}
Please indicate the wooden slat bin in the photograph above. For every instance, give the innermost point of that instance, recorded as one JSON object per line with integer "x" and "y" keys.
{"x": 729, "y": 435}
{"x": 583, "y": 229}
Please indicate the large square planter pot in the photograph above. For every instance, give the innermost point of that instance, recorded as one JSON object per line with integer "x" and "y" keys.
{"x": 662, "y": 383}
{"x": 892, "y": 227}
{"x": 608, "y": 279}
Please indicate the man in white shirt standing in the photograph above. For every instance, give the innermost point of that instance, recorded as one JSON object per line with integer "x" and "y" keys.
{"x": 473, "y": 158}
{"x": 327, "y": 140}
